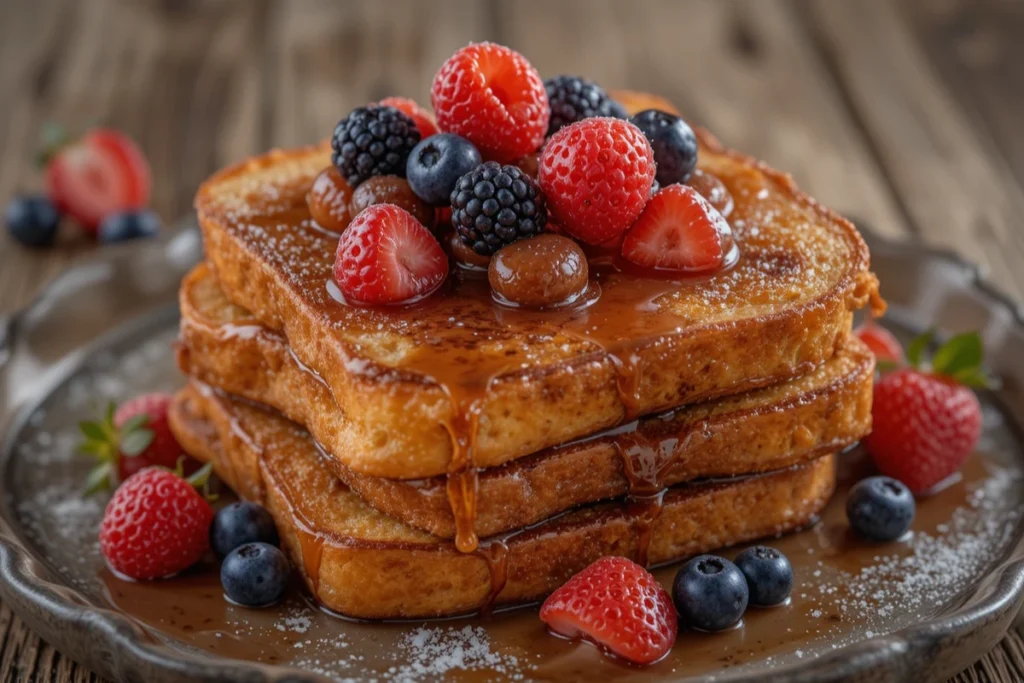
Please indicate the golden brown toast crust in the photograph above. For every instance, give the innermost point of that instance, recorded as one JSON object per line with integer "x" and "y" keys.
{"x": 779, "y": 313}
{"x": 767, "y": 429}
{"x": 362, "y": 563}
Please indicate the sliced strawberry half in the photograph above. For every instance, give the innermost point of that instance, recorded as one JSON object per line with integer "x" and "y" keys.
{"x": 618, "y": 605}
{"x": 386, "y": 256}
{"x": 102, "y": 173}
{"x": 679, "y": 230}
{"x": 423, "y": 119}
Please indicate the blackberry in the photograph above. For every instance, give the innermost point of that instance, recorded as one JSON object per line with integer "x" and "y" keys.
{"x": 373, "y": 141}
{"x": 573, "y": 99}
{"x": 495, "y": 205}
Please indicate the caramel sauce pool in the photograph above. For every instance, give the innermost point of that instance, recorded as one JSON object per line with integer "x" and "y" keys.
{"x": 191, "y": 609}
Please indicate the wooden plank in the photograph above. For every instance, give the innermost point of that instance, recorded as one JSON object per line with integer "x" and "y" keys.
{"x": 750, "y": 75}
{"x": 955, "y": 187}
{"x": 184, "y": 85}
{"x": 329, "y": 57}
{"x": 976, "y": 46}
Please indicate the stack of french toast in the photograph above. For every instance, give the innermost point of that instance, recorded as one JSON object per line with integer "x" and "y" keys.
{"x": 457, "y": 454}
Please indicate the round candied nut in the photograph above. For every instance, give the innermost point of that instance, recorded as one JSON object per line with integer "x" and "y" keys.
{"x": 540, "y": 272}
{"x": 390, "y": 189}
{"x": 328, "y": 200}
{"x": 711, "y": 187}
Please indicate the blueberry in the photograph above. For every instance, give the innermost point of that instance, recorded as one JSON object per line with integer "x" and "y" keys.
{"x": 769, "y": 575}
{"x": 33, "y": 221}
{"x": 437, "y": 163}
{"x": 255, "y": 575}
{"x": 240, "y": 523}
{"x": 674, "y": 143}
{"x": 710, "y": 593}
{"x": 128, "y": 225}
{"x": 880, "y": 508}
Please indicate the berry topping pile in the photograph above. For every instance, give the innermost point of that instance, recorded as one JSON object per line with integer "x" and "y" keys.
{"x": 495, "y": 205}
{"x": 597, "y": 176}
{"x": 385, "y": 256}
{"x": 490, "y": 95}
{"x": 617, "y": 604}
{"x": 373, "y": 141}
{"x": 506, "y": 157}
{"x": 573, "y": 99}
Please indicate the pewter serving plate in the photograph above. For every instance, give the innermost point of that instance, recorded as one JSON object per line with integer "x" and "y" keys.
{"x": 919, "y": 609}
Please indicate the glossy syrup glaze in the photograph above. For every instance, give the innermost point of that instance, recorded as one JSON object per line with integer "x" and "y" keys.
{"x": 846, "y": 590}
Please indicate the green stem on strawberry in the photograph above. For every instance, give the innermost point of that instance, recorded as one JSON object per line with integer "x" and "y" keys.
{"x": 959, "y": 359}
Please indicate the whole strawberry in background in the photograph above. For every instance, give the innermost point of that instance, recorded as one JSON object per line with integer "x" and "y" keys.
{"x": 128, "y": 439}
{"x": 156, "y": 524}
{"x": 926, "y": 418}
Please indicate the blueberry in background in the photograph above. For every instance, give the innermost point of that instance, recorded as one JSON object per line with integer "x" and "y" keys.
{"x": 240, "y": 523}
{"x": 710, "y": 593}
{"x": 880, "y": 508}
{"x": 769, "y": 575}
{"x": 128, "y": 225}
{"x": 255, "y": 575}
{"x": 437, "y": 163}
{"x": 32, "y": 220}
{"x": 674, "y": 143}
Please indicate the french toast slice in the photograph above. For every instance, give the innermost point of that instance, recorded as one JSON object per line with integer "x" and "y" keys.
{"x": 362, "y": 563}
{"x": 457, "y": 382}
{"x": 766, "y": 429}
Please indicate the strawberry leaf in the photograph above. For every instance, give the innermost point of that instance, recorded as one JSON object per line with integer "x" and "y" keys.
{"x": 961, "y": 353}
{"x": 108, "y": 417}
{"x": 100, "y": 478}
{"x": 136, "y": 442}
{"x": 884, "y": 365}
{"x": 976, "y": 378}
{"x": 92, "y": 431}
{"x": 917, "y": 347}
{"x": 139, "y": 421}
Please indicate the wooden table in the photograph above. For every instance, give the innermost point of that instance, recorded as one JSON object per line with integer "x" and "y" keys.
{"x": 908, "y": 114}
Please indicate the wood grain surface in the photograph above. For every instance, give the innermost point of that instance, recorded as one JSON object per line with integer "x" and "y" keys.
{"x": 907, "y": 114}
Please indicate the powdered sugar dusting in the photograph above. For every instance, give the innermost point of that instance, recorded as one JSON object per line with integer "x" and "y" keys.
{"x": 436, "y": 652}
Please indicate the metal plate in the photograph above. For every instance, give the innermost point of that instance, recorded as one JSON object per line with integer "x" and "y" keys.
{"x": 921, "y": 609}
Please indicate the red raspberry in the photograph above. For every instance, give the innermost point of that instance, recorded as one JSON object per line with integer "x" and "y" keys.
{"x": 597, "y": 176}
{"x": 679, "y": 230}
{"x": 617, "y": 604}
{"x": 924, "y": 427}
{"x": 155, "y": 525}
{"x": 386, "y": 256}
{"x": 490, "y": 95}
{"x": 881, "y": 341}
{"x": 424, "y": 120}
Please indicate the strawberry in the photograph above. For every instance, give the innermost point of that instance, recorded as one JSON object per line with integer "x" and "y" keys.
{"x": 386, "y": 256}
{"x": 136, "y": 436}
{"x": 424, "y": 120}
{"x": 156, "y": 524}
{"x": 617, "y": 604}
{"x": 102, "y": 173}
{"x": 492, "y": 96}
{"x": 881, "y": 341}
{"x": 679, "y": 230}
{"x": 926, "y": 419}
{"x": 597, "y": 175}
